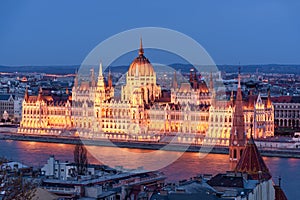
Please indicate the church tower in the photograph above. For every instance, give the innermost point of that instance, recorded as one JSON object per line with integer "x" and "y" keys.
{"x": 100, "y": 91}
{"x": 237, "y": 139}
{"x": 174, "y": 82}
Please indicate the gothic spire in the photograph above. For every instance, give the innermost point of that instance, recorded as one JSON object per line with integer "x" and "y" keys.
{"x": 93, "y": 82}
{"x": 269, "y": 102}
{"x": 141, "y": 50}
{"x": 252, "y": 163}
{"x": 239, "y": 78}
{"x": 238, "y": 116}
{"x": 232, "y": 98}
{"x": 109, "y": 79}
{"x": 174, "y": 83}
{"x": 40, "y": 95}
{"x": 26, "y": 96}
{"x": 211, "y": 83}
{"x": 100, "y": 69}
{"x": 237, "y": 134}
{"x": 100, "y": 82}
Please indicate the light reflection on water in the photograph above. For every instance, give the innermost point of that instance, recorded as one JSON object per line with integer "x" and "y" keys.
{"x": 188, "y": 165}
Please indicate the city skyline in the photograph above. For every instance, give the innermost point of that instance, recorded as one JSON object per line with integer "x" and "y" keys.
{"x": 133, "y": 100}
{"x": 52, "y": 33}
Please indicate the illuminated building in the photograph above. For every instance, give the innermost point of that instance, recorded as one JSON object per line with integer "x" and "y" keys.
{"x": 142, "y": 111}
{"x": 263, "y": 115}
{"x": 237, "y": 135}
{"x": 287, "y": 112}
{"x": 45, "y": 114}
{"x": 7, "y": 106}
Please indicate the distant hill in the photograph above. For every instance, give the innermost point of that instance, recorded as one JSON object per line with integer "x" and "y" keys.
{"x": 41, "y": 69}
{"x": 271, "y": 68}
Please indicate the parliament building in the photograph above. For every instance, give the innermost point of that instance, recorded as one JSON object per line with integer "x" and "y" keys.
{"x": 142, "y": 112}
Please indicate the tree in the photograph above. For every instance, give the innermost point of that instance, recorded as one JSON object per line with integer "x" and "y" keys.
{"x": 80, "y": 159}
{"x": 18, "y": 188}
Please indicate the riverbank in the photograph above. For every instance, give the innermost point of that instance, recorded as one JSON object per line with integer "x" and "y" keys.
{"x": 268, "y": 152}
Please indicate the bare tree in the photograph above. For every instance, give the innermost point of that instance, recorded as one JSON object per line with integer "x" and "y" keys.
{"x": 18, "y": 188}
{"x": 14, "y": 185}
{"x": 80, "y": 159}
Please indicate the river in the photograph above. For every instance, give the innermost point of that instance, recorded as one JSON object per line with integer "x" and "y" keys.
{"x": 175, "y": 165}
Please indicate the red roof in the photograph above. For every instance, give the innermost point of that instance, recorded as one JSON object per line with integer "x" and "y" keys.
{"x": 279, "y": 194}
{"x": 252, "y": 163}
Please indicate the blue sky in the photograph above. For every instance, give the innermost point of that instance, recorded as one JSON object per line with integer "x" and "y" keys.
{"x": 59, "y": 32}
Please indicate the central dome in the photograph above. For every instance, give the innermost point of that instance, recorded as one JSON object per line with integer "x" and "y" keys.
{"x": 141, "y": 66}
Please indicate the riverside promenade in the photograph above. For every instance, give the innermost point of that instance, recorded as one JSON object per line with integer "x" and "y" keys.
{"x": 150, "y": 145}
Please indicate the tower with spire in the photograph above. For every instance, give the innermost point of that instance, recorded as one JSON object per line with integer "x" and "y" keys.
{"x": 93, "y": 81}
{"x": 174, "y": 81}
{"x": 100, "y": 90}
{"x": 26, "y": 96}
{"x": 237, "y": 139}
{"x": 269, "y": 102}
{"x": 40, "y": 95}
{"x": 141, "y": 83}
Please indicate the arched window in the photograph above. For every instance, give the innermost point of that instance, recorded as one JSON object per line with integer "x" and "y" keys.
{"x": 234, "y": 153}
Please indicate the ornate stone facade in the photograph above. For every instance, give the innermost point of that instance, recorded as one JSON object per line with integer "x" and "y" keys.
{"x": 45, "y": 114}
{"x": 141, "y": 112}
{"x": 287, "y": 112}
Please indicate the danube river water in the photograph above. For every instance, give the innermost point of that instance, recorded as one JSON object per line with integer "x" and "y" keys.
{"x": 187, "y": 165}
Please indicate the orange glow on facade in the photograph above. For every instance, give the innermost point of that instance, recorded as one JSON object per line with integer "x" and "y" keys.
{"x": 141, "y": 114}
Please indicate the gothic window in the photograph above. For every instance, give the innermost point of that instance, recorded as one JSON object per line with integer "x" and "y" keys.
{"x": 234, "y": 153}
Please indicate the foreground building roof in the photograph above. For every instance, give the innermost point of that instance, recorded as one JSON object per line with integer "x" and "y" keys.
{"x": 252, "y": 163}
{"x": 279, "y": 194}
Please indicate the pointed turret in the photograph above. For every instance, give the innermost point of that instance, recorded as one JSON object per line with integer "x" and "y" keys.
{"x": 93, "y": 82}
{"x": 141, "y": 50}
{"x": 100, "y": 91}
{"x": 40, "y": 95}
{"x": 109, "y": 79}
{"x": 259, "y": 100}
{"x": 269, "y": 102}
{"x": 252, "y": 163}
{"x": 237, "y": 135}
{"x": 174, "y": 82}
{"x": 211, "y": 82}
{"x": 232, "y": 98}
{"x": 100, "y": 82}
{"x": 100, "y": 70}
{"x": 191, "y": 76}
{"x": 26, "y": 96}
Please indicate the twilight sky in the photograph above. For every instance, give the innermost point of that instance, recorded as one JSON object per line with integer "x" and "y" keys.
{"x": 55, "y": 32}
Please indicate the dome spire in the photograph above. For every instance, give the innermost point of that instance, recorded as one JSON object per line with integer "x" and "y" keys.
{"x": 100, "y": 69}
{"x": 141, "y": 50}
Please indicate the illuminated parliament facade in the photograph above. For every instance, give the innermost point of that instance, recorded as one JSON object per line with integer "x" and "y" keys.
{"x": 142, "y": 111}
